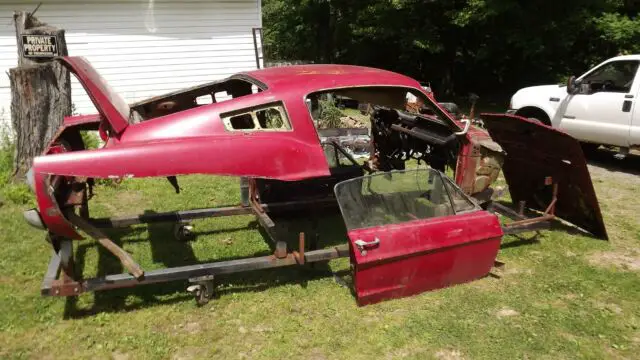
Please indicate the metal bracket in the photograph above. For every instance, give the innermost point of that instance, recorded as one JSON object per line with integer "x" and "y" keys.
{"x": 549, "y": 213}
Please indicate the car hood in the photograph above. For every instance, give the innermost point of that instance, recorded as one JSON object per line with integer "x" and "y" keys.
{"x": 535, "y": 152}
{"x": 543, "y": 92}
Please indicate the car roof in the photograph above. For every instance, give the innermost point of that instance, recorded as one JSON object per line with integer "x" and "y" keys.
{"x": 316, "y": 77}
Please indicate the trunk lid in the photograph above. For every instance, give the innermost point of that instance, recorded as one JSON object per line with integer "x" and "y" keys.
{"x": 109, "y": 104}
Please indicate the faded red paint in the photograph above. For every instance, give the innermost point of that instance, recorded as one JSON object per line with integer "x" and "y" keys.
{"x": 195, "y": 141}
{"x": 468, "y": 158}
{"x": 536, "y": 152}
{"x": 98, "y": 90}
{"x": 424, "y": 255}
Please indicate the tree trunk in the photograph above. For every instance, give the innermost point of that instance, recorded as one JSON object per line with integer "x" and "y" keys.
{"x": 40, "y": 95}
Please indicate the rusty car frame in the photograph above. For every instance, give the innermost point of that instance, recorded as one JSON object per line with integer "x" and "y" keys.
{"x": 409, "y": 230}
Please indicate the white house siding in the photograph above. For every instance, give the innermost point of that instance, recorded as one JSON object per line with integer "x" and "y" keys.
{"x": 142, "y": 48}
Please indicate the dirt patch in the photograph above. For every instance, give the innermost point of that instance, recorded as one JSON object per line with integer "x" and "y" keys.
{"x": 117, "y": 355}
{"x": 598, "y": 172}
{"x": 188, "y": 353}
{"x": 611, "y": 307}
{"x": 514, "y": 270}
{"x": 261, "y": 329}
{"x": 316, "y": 354}
{"x": 506, "y": 312}
{"x": 570, "y": 296}
{"x": 130, "y": 200}
{"x": 568, "y": 336}
{"x": 603, "y": 164}
{"x": 189, "y": 328}
{"x": 621, "y": 261}
{"x": 449, "y": 355}
{"x": 412, "y": 351}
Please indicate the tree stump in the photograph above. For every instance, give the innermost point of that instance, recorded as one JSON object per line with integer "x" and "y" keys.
{"x": 40, "y": 94}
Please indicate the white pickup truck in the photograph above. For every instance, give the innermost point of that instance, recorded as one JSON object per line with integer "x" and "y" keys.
{"x": 597, "y": 108}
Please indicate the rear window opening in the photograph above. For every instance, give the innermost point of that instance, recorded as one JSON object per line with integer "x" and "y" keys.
{"x": 201, "y": 95}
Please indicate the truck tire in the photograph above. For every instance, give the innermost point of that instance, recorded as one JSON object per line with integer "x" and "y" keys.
{"x": 534, "y": 114}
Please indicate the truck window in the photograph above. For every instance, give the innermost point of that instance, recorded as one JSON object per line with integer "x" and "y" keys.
{"x": 616, "y": 76}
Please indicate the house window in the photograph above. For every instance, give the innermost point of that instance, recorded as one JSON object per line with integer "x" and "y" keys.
{"x": 272, "y": 117}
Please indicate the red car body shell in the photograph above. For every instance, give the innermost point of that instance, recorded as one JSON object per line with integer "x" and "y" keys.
{"x": 195, "y": 141}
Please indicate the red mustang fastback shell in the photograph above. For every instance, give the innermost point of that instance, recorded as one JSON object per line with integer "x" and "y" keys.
{"x": 195, "y": 141}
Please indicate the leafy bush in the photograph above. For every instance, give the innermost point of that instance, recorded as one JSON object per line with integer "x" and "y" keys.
{"x": 6, "y": 154}
{"x": 90, "y": 139}
{"x": 19, "y": 194}
{"x": 329, "y": 116}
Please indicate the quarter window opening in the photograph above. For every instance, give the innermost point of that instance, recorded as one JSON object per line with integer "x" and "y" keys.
{"x": 271, "y": 117}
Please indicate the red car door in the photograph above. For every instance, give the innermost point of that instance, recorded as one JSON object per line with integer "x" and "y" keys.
{"x": 414, "y": 231}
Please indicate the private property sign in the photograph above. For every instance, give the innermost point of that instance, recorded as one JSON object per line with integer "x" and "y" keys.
{"x": 39, "y": 46}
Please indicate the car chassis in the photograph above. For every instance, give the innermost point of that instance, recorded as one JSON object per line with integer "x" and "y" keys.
{"x": 58, "y": 282}
{"x": 427, "y": 251}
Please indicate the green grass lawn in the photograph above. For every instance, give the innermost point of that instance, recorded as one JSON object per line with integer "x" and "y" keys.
{"x": 560, "y": 295}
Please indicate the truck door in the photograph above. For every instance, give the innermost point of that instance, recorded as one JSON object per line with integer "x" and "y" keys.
{"x": 601, "y": 112}
{"x": 634, "y": 130}
{"x": 412, "y": 231}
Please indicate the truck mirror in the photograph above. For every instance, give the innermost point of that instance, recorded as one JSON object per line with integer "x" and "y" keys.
{"x": 572, "y": 87}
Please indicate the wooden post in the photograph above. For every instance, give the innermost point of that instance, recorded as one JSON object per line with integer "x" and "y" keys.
{"x": 40, "y": 94}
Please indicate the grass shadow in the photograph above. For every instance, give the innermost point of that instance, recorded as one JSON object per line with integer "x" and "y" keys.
{"x": 605, "y": 159}
{"x": 328, "y": 227}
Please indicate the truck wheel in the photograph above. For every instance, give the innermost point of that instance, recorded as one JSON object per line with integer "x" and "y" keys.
{"x": 534, "y": 114}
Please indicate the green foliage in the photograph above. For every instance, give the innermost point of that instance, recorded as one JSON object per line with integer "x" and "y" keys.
{"x": 329, "y": 116}
{"x": 90, "y": 139}
{"x": 18, "y": 194}
{"x": 6, "y": 161}
{"x": 461, "y": 46}
{"x": 620, "y": 31}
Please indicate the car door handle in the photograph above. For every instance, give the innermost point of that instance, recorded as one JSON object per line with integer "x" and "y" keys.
{"x": 628, "y": 96}
{"x": 362, "y": 245}
{"x": 626, "y": 106}
{"x": 569, "y": 117}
